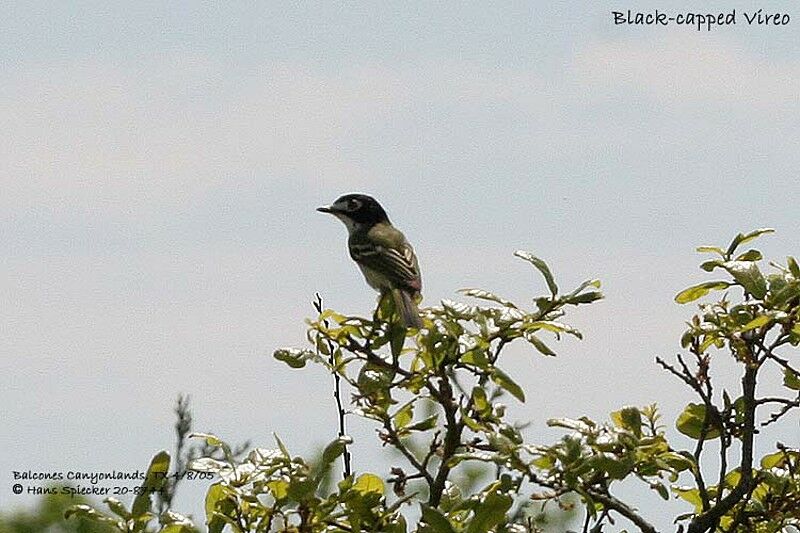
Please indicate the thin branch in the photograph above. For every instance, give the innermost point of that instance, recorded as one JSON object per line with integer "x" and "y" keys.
{"x": 598, "y": 527}
{"x": 610, "y": 502}
{"x": 711, "y": 415}
{"x": 781, "y": 361}
{"x": 452, "y": 435}
{"x": 724, "y": 444}
{"x": 395, "y": 440}
{"x": 371, "y": 357}
{"x": 431, "y": 449}
{"x": 346, "y": 458}
{"x": 586, "y": 521}
{"x": 408, "y": 477}
{"x": 788, "y": 405}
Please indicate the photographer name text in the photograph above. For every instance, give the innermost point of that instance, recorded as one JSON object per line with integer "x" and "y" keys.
{"x": 82, "y": 483}
{"x": 700, "y": 21}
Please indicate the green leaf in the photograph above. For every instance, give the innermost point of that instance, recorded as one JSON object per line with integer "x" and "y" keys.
{"x": 588, "y": 283}
{"x": 791, "y": 380}
{"x": 424, "y": 425}
{"x": 628, "y": 418}
{"x": 757, "y": 322}
{"x": 154, "y": 481}
{"x": 480, "y": 401}
{"x": 698, "y": 291}
{"x": 176, "y": 523}
{"x": 615, "y": 468}
{"x": 368, "y": 484}
{"x": 747, "y": 274}
{"x": 744, "y": 238}
{"x": 373, "y": 378}
{"x": 436, "y": 520}
{"x": 750, "y": 255}
{"x": 477, "y": 357}
{"x": 793, "y": 268}
{"x": 302, "y": 489}
{"x": 544, "y": 462}
{"x": 279, "y": 489}
{"x": 213, "y": 440}
{"x": 490, "y": 512}
{"x": 711, "y": 264}
{"x": 330, "y": 314}
{"x": 690, "y": 422}
{"x": 117, "y": 507}
{"x": 178, "y": 528}
{"x": 555, "y": 327}
{"x": 677, "y": 461}
{"x": 88, "y": 513}
{"x": 585, "y": 298}
{"x": 711, "y": 249}
{"x": 539, "y": 344}
{"x": 486, "y": 295}
{"x": 294, "y": 358}
{"x": 543, "y": 268}
{"x": 460, "y": 310}
{"x": 784, "y": 292}
{"x": 505, "y": 382}
{"x": 690, "y": 495}
{"x": 687, "y": 338}
{"x": 486, "y": 457}
{"x": 773, "y": 459}
{"x": 581, "y": 426}
{"x": 333, "y": 450}
{"x": 281, "y": 446}
{"x": 404, "y": 415}
{"x": 208, "y": 464}
{"x": 471, "y": 423}
{"x": 733, "y": 478}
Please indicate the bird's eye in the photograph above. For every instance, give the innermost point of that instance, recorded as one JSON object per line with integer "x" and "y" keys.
{"x": 353, "y": 204}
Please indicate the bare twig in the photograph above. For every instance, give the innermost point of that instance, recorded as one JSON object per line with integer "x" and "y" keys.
{"x": 788, "y": 405}
{"x": 395, "y": 440}
{"x": 610, "y": 502}
{"x": 346, "y": 459}
{"x": 711, "y": 418}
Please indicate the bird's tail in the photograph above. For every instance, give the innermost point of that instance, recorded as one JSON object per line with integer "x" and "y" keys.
{"x": 407, "y": 307}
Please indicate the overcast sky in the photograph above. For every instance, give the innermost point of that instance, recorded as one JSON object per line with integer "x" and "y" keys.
{"x": 160, "y": 165}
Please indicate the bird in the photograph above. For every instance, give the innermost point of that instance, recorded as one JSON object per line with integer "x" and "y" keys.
{"x": 382, "y": 252}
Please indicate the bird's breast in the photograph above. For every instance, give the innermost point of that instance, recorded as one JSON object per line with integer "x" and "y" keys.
{"x": 375, "y": 279}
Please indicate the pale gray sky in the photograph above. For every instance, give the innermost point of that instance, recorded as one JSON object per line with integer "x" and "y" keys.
{"x": 160, "y": 164}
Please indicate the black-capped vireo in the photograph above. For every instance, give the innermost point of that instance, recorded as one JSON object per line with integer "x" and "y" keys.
{"x": 382, "y": 253}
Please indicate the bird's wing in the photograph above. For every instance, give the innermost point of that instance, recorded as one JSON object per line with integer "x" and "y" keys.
{"x": 387, "y": 252}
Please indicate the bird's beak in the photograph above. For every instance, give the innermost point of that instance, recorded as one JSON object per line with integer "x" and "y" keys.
{"x": 325, "y": 209}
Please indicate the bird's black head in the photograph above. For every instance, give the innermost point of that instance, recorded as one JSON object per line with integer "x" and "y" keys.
{"x": 358, "y": 208}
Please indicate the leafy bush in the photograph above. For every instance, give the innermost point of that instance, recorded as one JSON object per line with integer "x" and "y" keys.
{"x": 435, "y": 394}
